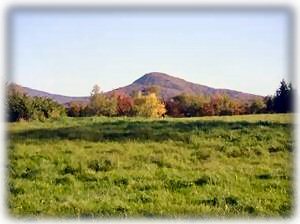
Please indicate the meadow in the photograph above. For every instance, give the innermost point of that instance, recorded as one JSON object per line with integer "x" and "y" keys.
{"x": 230, "y": 166}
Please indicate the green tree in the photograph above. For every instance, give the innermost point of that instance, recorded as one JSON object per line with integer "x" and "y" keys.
{"x": 100, "y": 104}
{"x": 76, "y": 109}
{"x": 222, "y": 104}
{"x": 187, "y": 105}
{"x": 19, "y": 106}
{"x": 257, "y": 106}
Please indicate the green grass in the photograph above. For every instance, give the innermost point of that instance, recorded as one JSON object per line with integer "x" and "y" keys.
{"x": 231, "y": 166}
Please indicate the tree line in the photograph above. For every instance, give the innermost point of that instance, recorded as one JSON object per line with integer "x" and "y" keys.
{"x": 146, "y": 103}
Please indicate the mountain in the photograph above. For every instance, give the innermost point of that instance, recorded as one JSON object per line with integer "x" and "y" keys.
{"x": 58, "y": 98}
{"x": 171, "y": 86}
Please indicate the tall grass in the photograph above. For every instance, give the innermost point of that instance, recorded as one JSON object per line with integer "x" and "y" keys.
{"x": 119, "y": 167}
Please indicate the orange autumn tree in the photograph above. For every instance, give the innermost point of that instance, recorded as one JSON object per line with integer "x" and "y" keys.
{"x": 124, "y": 104}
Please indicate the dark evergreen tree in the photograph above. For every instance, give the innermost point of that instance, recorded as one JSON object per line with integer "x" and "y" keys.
{"x": 269, "y": 101}
{"x": 283, "y": 98}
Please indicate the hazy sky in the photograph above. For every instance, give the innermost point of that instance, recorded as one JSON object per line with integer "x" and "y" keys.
{"x": 67, "y": 53}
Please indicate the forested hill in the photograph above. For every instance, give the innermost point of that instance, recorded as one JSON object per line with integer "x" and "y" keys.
{"x": 168, "y": 85}
{"x": 171, "y": 86}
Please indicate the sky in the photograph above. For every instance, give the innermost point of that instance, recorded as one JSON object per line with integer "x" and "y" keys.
{"x": 66, "y": 52}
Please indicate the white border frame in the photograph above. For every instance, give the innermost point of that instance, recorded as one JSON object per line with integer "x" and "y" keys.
{"x": 6, "y": 4}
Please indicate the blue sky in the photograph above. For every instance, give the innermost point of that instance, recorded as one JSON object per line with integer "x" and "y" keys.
{"x": 67, "y": 53}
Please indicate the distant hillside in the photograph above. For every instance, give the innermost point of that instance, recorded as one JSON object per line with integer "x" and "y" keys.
{"x": 171, "y": 86}
{"x": 58, "y": 98}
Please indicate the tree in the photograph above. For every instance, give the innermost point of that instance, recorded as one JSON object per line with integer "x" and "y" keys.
{"x": 19, "y": 105}
{"x": 186, "y": 105}
{"x": 100, "y": 104}
{"x": 124, "y": 104}
{"x": 257, "y": 106}
{"x": 173, "y": 108}
{"x": 269, "y": 102}
{"x": 76, "y": 109}
{"x": 45, "y": 108}
{"x": 222, "y": 104}
{"x": 95, "y": 90}
{"x": 283, "y": 98}
{"x": 191, "y": 105}
{"x": 148, "y": 106}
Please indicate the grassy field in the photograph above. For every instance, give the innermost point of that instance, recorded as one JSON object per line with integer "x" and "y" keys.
{"x": 133, "y": 167}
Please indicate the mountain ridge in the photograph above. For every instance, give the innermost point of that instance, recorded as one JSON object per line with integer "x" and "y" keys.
{"x": 169, "y": 86}
{"x": 62, "y": 99}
